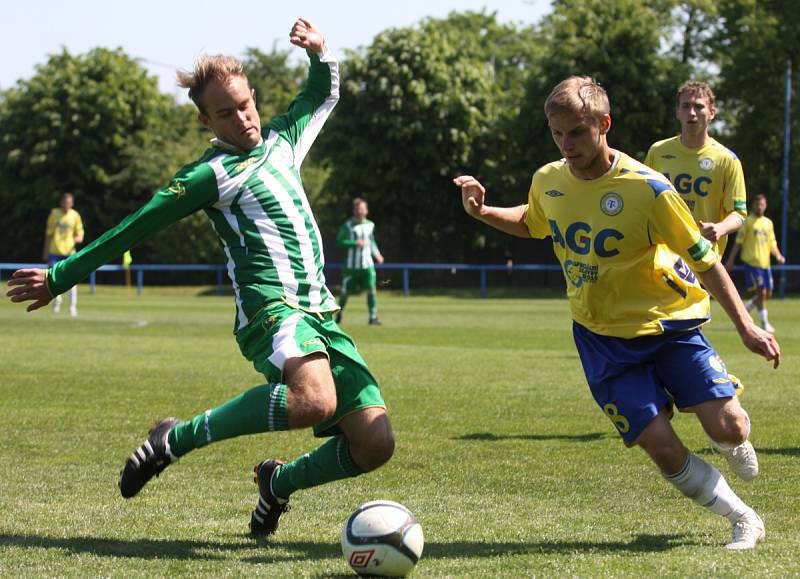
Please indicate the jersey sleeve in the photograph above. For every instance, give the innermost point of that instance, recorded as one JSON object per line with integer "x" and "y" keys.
{"x": 534, "y": 215}
{"x": 734, "y": 198}
{"x": 343, "y": 237}
{"x": 192, "y": 189}
{"x": 309, "y": 110}
{"x": 672, "y": 222}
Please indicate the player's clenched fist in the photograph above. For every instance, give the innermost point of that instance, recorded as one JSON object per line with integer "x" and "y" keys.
{"x": 306, "y": 35}
{"x": 472, "y": 194}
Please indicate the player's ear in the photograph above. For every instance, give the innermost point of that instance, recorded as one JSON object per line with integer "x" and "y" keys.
{"x": 605, "y": 124}
{"x": 204, "y": 120}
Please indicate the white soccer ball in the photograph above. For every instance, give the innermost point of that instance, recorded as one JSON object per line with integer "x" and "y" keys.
{"x": 382, "y": 538}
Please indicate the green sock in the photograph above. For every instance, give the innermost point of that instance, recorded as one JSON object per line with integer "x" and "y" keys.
{"x": 329, "y": 462}
{"x": 372, "y": 304}
{"x": 260, "y": 409}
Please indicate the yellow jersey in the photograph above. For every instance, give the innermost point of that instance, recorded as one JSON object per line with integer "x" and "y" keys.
{"x": 757, "y": 238}
{"x": 624, "y": 241}
{"x": 709, "y": 178}
{"x": 62, "y": 228}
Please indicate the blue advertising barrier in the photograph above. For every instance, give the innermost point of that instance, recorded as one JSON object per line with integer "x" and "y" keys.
{"x": 406, "y": 268}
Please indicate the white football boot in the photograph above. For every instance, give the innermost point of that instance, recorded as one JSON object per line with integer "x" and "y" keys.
{"x": 748, "y": 531}
{"x": 742, "y": 459}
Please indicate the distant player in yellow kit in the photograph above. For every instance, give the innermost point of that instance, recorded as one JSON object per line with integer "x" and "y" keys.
{"x": 756, "y": 242}
{"x": 708, "y": 176}
{"x": 64, "y": 232}
{"x": 632, "y": 255}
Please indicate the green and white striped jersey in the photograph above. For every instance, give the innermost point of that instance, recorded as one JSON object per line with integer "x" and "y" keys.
{"x": 256, "y": 204}
{"x": 358, "y": 256}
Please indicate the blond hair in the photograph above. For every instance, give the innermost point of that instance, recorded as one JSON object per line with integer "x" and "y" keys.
{"x": 698, "y": 88}
{"x": 206, "y": 69}
{"x": 578, "y": 94}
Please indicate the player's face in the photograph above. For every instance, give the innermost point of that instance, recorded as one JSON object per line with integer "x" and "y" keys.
{"x": 581, "y": 139}
{"x": 695, "y": 113}
{"x": 360, "y": 211}
{"x": 760, "y": 206}
{"x": 231, "y": 112}
{"x": 67, "y": 202}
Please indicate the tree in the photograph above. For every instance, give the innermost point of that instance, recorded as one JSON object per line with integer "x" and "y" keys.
{"x": 419, "y": 106}
{"x": 92, "y": 124}
{"x": 752, "y": 47}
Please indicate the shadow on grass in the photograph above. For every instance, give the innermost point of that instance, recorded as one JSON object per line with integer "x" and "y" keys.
{"x": 786, "y": 451}
{"x": 258, "y": 551}
{"x": 483, "y": 436}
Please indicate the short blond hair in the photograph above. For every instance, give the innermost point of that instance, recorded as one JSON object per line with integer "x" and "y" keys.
{"x": 698, "y": 88}
{"x": 207, "y": 68}
{"x": 578, "y": 94}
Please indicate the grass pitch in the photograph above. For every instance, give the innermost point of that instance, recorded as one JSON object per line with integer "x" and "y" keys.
{"x": 501, "y": 452}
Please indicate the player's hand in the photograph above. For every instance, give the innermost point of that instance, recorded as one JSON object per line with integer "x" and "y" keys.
{"x": 360, "y": 242}
{"x": 711, "y": 231}
{"x": 379, "y": 258}
{"x": 763, "y": 343}
{"x": 30, "y": 285}
{"x": 781, "y": 260}
{"x": 306, "y": 35}
{"x": 472, "y": 194}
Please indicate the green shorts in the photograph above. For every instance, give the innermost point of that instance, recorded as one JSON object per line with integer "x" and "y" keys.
{"x": 280, "y": 332}
{"x": 355, "y": 281}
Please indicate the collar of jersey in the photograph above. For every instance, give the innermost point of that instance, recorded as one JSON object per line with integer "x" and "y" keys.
{"x": 220, "y": 144}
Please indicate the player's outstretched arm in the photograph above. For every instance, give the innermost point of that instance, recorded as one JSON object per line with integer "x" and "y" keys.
{"x": 509, "y": 220}
{"x": 306, "y": 35}
{"x": 30, "y": 285}
{"x": 719, "y": 284}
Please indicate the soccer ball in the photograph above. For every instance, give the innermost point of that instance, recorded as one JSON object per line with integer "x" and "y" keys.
{"x": 382, "y": 538}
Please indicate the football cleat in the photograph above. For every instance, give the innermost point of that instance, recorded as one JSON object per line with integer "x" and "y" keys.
{"x": 149, "y": 460}
{"x": 742, "y": 459}
{"x": 264, "y": 519}
{"x": 375, "y": 322}
{"x": 748, "y": 531}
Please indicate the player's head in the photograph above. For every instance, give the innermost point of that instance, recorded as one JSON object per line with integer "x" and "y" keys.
{"x": 695, "y": 108}
{"x": 360, "y": 209}
{"x": 759, "y": 204}
{"x": 227, "y": 103}
{"x": 67, "y": 201}
{"x": 579, "y": 116}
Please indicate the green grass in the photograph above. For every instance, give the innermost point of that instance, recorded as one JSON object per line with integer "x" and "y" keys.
{"x": 501, "y": 452}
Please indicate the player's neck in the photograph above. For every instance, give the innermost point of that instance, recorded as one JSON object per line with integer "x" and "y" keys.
{"x": 694, "y": 141}
{"x": 603, "y": 163}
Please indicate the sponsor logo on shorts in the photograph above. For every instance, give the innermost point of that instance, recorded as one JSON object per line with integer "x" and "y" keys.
{"x": 720, "y": 380}
{"x": 716, "y": 363}
{"x": 313, "y": 341}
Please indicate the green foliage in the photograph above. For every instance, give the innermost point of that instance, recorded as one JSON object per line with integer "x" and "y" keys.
{"x": 93, "y": 124}
{"x": 752, "y": 46}
{"x": 421, "y": 105}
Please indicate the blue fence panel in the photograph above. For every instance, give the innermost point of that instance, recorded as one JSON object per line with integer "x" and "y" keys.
{"x": 405, "y": 268}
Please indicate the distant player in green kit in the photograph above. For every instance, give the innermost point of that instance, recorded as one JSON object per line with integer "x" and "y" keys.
{"x": 357, "y": 234}
{"x": 248, "y": 183}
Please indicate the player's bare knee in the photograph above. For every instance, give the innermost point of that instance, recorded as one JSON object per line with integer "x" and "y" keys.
{"x": 373, "y": 452}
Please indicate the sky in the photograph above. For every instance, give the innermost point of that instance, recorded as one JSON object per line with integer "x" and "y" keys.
{"x": 169, "y": 34}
